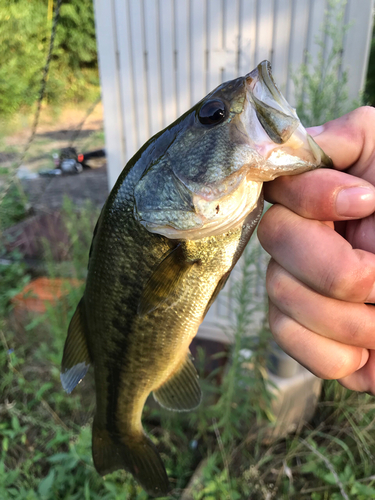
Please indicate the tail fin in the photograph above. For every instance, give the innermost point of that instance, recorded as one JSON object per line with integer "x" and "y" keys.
{"x": 138, "y": 456}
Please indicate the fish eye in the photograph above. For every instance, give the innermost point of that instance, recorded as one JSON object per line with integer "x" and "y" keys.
{"x": 212, "y": 112}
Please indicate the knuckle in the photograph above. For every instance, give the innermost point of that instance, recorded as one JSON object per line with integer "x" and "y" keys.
{"x": 335, "y": 282}
{"x": 355, "y": 329}
{"x": 273, "y": 278}
{"x": 357, "y": 123}
{"x": 349, "y": 279}
{"x": 267, "y": 228}
{"x": 365, "y": 113}
{"x": 340, "y": 366}
{"x": 278, "y": 286}
{"x": 278, "y": 324}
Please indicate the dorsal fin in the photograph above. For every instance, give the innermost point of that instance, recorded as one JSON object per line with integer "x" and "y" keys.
{"x": 181, "y": 392}
{"x": 76, "y": 359}
{"x": 164, "y": 280}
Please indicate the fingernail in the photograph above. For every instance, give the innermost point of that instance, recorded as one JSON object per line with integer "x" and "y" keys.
{"x": 314, "y": 131}
{"x": 355, "y": 202}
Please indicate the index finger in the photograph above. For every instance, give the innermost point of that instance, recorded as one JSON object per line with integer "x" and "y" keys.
{"x": 323, "y": 195}
{"x": 350, "y": 142}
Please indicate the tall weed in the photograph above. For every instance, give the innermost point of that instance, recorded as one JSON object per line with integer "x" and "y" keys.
{"x": 321, "y": 85}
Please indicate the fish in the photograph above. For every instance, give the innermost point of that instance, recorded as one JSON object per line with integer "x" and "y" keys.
{"x": 171, "y": 231}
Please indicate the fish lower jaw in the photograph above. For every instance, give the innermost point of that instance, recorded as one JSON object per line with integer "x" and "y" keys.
{"x": 272, "y": 171}
{"x": 213, "y": 217}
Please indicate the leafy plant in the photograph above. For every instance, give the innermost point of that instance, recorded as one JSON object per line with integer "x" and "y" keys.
{"x": 321, "y": 85}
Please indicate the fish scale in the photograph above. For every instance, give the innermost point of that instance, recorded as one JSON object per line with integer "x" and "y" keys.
{"x": 171, "y": 231}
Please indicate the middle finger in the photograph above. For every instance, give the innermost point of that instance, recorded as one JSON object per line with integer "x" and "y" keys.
{"x": 347, "y": 322}
{"x": 318, "y": 256}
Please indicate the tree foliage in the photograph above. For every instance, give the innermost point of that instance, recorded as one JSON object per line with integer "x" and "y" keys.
{"x": 25, "y": 30}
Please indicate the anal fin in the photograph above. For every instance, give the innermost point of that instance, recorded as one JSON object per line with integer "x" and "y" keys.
{"x": 181, "y": 392}
{"x": 164, "y": 280}
{"x": 76, "y": 359}
{"x": 137, "y": 454}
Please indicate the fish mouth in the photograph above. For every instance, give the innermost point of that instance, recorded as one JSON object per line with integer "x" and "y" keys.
{"x": 276, "y": 131}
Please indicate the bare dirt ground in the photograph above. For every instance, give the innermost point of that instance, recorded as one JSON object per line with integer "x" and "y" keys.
{"x": 55, "y": 131}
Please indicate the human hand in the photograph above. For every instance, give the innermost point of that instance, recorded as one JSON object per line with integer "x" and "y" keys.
{"x": 321, "y": 278}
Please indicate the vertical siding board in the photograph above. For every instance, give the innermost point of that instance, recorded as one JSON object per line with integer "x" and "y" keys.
{"x": 317, "y": 21}
{"x": 183, "y": 57}
{"x": 264, "y": 29}
{"x": 110, "y": 85}
{"x": 356, "y": 49}
{"x": 248, "y": 33}
{"x": 153, "y": 66}
{"x": 138, "y": 71}
{"x": 145, "y": 69}
{"x": 299, "y": 29}
{"x": 126, "y": 77}
{"x": 290, "y": 46}
{"x": 230, "y": 38}
{"x": 281, "y": 43}
{"x": 215, "y": 41}
{"x": 167, "y": 61}
{"x": 197, "y": 44}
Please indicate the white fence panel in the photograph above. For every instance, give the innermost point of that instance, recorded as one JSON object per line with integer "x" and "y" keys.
{"x": 159, "y": 57}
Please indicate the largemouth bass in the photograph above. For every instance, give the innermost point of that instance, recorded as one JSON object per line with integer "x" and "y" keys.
{"x": 168, "y": 237}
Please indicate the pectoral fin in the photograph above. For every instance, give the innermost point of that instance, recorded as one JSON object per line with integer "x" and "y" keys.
{"x": 181, "y": 392}
{"x": 164, "y": 280}
{"x": 76, "y": 359}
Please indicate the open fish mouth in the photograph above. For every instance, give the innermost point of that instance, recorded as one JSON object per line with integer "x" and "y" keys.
{"x": 276, "y": 131}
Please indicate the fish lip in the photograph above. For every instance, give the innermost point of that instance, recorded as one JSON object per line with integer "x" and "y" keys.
{"x": 263, "y": 74}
